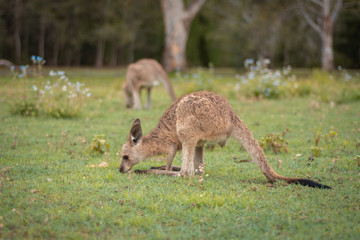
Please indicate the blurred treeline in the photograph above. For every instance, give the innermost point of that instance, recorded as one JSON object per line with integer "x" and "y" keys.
{"x": 117, "y": 32}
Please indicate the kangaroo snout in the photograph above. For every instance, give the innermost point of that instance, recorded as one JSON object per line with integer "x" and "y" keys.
{"x": 124, "y": 169}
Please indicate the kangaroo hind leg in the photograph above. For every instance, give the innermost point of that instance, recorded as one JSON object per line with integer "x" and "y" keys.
{"x": 148, "y": 106}
{"x": 198, "y": 158}
{"x": 188, "y": 154}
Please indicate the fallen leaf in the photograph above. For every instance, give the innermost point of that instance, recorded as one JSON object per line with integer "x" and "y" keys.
{"x": 103, "y": 164}
{"x": 34, "y": 190}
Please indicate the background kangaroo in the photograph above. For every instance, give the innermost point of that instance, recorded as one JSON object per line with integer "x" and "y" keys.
{"x": 188, "y": 124}
{"x": 144, "y": 73}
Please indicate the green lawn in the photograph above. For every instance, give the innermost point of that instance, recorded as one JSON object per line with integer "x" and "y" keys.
{"x": 48, "y": 190}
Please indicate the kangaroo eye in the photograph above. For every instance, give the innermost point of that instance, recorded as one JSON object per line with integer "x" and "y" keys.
{"x": 126, "y": 157}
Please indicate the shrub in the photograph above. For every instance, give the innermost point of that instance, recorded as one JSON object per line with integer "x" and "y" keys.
{"x": 262, "y": 82}
{"x": 98, "y": 145}
{"x": 340, "y": 87}
{"x": 25, "y": 107}
{"x": 26, "y": 104}
{"x": 275, "y": 142}
{"x": 62, "y": 98}
{"x": 57, "y": 97}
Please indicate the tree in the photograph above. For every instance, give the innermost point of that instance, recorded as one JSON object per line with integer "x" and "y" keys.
{"x": 321, "y": 16}
{"x": 17, "y": 29}
{"x": 177, "y": 21}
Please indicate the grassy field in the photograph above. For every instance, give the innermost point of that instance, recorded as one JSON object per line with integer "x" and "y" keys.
{"x": 48, "y": 189}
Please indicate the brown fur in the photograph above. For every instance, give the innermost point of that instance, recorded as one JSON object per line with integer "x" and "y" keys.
{"x": 145, "y": 73}
{"x": 6, "y": 63}
{"x": 188, "y": 124}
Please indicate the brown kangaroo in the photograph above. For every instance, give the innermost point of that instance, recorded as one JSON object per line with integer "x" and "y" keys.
{"x": 188, "y": 124}
{"x": 145, "y": 73}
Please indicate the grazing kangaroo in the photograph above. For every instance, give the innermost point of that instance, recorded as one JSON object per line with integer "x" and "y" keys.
{"x": 188, "y": 124}
{"x": 145, "y": 73}
{"x": 6, "y": 63}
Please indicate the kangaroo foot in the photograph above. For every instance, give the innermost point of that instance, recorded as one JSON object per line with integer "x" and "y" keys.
{"x": 158, "y": 172}
{"x": 173, "y": 168}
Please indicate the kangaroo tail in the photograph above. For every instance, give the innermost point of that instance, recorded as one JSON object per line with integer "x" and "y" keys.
{"x": 244, "y": 135}
{"x": 306, "y": 182}
{"x": 166, "y": 81}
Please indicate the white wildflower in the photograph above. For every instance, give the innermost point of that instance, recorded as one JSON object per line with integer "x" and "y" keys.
{"x": 63, "y": 77}
{"x": 52, "y": 73}
{"x": 248, "y": 62}
{"x": 277, "y": 74}
{"x": 64, "y": 88}
{"x": 251, "y": 75}
{"x": 276, "y": 83}
{"x": 347, "y": 77}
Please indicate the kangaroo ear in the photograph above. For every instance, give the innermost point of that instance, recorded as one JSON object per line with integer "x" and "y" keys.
{"x": 136, "y": 132}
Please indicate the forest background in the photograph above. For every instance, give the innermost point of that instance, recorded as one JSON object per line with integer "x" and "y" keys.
{"x": 222, "y": 34}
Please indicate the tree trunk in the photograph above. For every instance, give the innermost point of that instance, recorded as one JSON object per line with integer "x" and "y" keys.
{"x": 131, "y": 49}
{"x": 17, "y": 27}
{"x": 41, "y": 48}
{"x": 323, "y": 24}
{"x": 55, "y": 52}
{"x": 68, "y": 55}
{"x": 177, "y": 24}
{"x": 114, "y": 55}
{"x": 327, "y": 54}
{"x": 99, "y": 53}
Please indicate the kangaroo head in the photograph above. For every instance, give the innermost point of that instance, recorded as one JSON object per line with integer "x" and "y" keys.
{"x": 128, "y": 96}
{"x": 130, "y": 152}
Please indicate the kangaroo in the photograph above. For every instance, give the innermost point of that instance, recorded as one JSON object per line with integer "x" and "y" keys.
{"x": 144, "y": 73}
{"x": 6, "y": 63}
{"x": 187, "y": 125}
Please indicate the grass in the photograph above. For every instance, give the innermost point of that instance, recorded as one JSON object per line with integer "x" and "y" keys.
{"x": 49, "y": 191}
